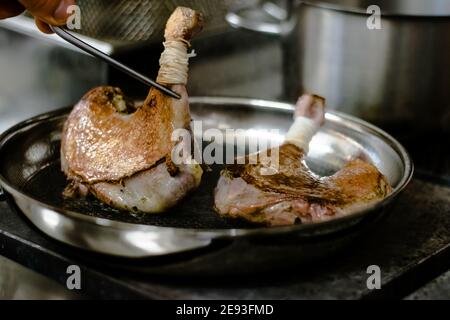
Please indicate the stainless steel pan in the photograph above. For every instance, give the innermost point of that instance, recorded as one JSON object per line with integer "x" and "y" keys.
{"x": 30, "y": 174}
{"x": 396, "y": 75}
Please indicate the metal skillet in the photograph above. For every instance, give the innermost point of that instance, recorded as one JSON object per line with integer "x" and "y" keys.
{"x": 31, "y": 177}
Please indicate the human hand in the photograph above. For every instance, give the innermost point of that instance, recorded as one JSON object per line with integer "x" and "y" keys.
{"x": 45, "y": 12}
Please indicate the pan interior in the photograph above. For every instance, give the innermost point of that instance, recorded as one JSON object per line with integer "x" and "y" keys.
{"x": 30, "y": 162}
{"x": 194, "y": 212}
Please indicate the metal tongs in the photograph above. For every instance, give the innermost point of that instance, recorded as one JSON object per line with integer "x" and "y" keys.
{"x": 103, "y": 56}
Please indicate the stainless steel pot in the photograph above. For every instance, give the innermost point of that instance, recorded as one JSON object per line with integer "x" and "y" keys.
{"x": 394, "y": 75}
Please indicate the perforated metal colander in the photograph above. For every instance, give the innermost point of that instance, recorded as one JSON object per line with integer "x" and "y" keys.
{"x": 130, "y": 21}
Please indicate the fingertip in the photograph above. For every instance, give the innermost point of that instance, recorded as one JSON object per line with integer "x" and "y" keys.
{"x": 60, "y": 15}
{"x": 42, "y": 26}
{"x": 52, "y": 12}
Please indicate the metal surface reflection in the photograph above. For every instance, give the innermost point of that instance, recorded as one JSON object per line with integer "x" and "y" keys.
{"x": 18, "y": 282}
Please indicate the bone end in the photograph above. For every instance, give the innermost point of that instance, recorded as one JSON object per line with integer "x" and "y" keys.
{"x": 183, "y": 24}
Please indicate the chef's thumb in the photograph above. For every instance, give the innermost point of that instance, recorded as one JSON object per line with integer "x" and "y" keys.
{"x": 52, "y": 12}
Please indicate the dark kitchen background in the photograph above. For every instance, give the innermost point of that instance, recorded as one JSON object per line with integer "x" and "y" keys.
{"x": 397, "y": 77}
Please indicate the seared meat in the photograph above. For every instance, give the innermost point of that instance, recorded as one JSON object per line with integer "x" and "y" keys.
{"x": 121, "y": 153}
{"x": 293, "y": 194}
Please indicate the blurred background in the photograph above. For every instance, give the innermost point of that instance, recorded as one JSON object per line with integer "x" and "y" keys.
{"x": 395, "y": 75}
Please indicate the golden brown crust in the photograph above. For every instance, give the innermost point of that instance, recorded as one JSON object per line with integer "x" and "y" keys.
{"x": 358, "y": 181}
{"x": 292, "y": 180}
{"x": 99, "y": 144}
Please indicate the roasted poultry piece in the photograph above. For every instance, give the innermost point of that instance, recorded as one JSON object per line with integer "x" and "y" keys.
{"x": 292, "y": 193}
{"x": 122, "y": 153}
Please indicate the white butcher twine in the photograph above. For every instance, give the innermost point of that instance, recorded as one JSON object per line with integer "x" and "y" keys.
{"x": 174, "y": 63}
{"x": 301, "y": 132}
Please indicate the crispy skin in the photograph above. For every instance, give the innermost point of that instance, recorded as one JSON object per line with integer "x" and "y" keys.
{"x": 100, "y": 143}
{"x": 357, "y": 181}
{"x": 292, "y": 180}
{"x": 294, "y": 194}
